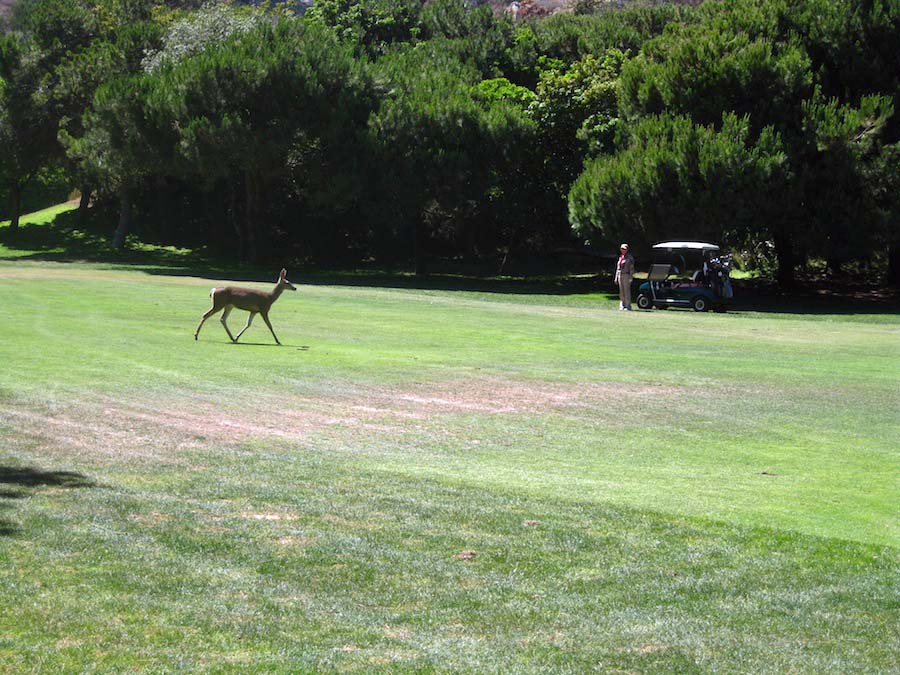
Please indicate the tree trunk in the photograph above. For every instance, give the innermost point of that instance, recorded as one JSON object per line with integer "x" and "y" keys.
{"x": 16, "y": 205}
{"x": 893, "y": 273}
{"x": 787, "y": 261}
{"x": 251, "y": 184}
{"x": 418, "y": 261}
{"x": 163, "y": 211}
{"x": 124, "y": 219}
{"x": 236, "y": 224}
{"x": 83, "y": 204}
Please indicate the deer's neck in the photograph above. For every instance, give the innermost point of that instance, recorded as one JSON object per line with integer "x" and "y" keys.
{"x": 278, "y": 290}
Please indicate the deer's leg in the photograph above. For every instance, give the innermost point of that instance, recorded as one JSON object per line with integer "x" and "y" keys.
{"x": 212, "y": 310}
{"x": 249, "y": 321}
{"x": 265, "y": 317}
{"x": 224, "y": 319}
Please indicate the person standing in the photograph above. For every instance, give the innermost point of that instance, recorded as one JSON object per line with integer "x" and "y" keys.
{"x": 624, "y": 275}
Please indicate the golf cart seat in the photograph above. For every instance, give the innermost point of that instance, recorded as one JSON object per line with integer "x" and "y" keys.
{"x": 658, "y": 272}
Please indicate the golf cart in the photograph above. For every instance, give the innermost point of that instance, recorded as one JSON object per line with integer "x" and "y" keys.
{"x": 687, "y": 274}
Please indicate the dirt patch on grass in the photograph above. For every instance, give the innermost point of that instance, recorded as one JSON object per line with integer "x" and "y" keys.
{"x": 151, "y": 519}
{"x": 646, "y": 649}
{"x": 158, "y": 426}
{"x": 269, "y": 516}
{"x": 494, "y": 396}
{"x": 293, "y": 541}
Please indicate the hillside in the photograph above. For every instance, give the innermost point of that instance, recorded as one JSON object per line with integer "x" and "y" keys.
{"x": 518, "y": 8}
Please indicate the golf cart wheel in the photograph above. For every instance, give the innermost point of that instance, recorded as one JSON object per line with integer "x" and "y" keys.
{"x": 700, "y": 304}
{"x": 644, "y": 302}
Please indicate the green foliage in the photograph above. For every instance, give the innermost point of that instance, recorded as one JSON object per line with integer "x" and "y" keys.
{"x": 757, "y": 59}
{"x": 704, "y": 71}
{"x": 445, "y": 144}
{"x": 852, "y": 45}
{"x": 678, "y": 180}
{"x": 249, "y": 106}
{"x": 474, "y": 35}
{"x": 61, "y": 26}
{"x": 120, "y": 145}
{"x": 80, "y": 74}
{"x": 576, "y": 109}
{"x": 372, "y": 26}
{"x": 501, "y": 89}
{"x": 16, "y": 106}
{"x": 381, "y": 118}
{"x": 27, "y": 125}
{"x": 112, "y": 15}
{"x": 454, "y": 20}
{"x": 570, "y": 37}
{"x": 842, "y": 184}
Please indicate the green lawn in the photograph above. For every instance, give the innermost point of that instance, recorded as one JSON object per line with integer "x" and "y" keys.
{"x": 425, "y": 479}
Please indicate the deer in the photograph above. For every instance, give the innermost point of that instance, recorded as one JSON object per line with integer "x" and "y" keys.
{"x": 256, "y": 302}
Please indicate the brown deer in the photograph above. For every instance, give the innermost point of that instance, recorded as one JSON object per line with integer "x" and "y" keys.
{"x": 256, "y": 302}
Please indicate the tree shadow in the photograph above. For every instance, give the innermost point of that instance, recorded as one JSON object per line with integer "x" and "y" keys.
{"x": 30, "y": 477}
{"x": 17, "y": 482}
{"x": 816, "y": 296}
{"x": 569, "y": 272}
{"x": 63, "y": 240}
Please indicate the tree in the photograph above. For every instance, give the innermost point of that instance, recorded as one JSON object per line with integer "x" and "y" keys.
{"x": 843, "y": 183}
{"x": 444, "y": 148}
{"x": 679, "y": 180}
{"x": 569, "y": 37}
{"x": 372, "y": 27}
{"x": 45, "y": 33}
{"x": 852, "y": 45}
{"x": 707, "y": 69}
{"x": 79, "y": 75}
{"x": 246, "y": 107}
{"x": 884, "y": 184}
{"x": 756, "y": 59}
{"x": 473, "y": 34}
{"x": 124, "y": 141}
{"x": 27, "y": 129}
{"x": 576, "y": 111}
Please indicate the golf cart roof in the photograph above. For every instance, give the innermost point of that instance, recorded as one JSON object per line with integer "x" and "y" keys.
{"x": 691, "y": 245}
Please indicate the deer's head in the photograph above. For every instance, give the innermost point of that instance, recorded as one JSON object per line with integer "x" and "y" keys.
{"x": 283, "y": 282}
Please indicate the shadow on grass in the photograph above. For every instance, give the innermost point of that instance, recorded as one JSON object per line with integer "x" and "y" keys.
{"x": 63, "y": 241}
{"x": 29, "y": 477}
{"x": 817, "y": 296}
{"x": 25, "y": 478}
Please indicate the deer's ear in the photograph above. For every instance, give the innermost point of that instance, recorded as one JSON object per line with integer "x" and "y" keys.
{"x": 283, "y": 273}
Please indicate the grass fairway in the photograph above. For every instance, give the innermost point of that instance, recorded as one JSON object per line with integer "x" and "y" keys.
{"x": 429, "y": 480}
